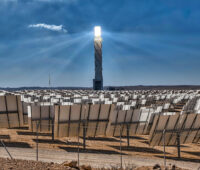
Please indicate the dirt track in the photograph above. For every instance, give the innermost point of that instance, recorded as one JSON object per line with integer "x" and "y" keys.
{"x": 100, "y": 152}
{"x": 95, "y": 160}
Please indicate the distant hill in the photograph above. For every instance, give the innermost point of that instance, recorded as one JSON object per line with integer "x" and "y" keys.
{"x": 166, "y": 87}
{"x": 44, "y": 88}
{"x": 140, "y": 87}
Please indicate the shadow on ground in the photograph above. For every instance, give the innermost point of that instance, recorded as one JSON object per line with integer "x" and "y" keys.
{"x": 192, "y": 153}
{"x": 96, "y": 151}
{"x": 50, "y": 141}
{"x": 145, "y": 142}
{"x": 182, "y": 146}
{"x": 33, "y": 133}
{"x": 138, "y": 149}
{"x": 181, "y": 159}
{"x": 4, "y": 136}
{"x": 102, "y": 139}
{"x": 132, "y": 137}
{"x": 16, "y": 144}
{"x": 22, "y": 128}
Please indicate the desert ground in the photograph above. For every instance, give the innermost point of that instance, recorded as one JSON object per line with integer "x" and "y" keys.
{"x": 100, "y": 152}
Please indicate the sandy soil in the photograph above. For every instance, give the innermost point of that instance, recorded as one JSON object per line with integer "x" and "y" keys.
{"x": 8, "y": 164}
{"x": 99, "y": 151}
{"x": 17, "y": 164}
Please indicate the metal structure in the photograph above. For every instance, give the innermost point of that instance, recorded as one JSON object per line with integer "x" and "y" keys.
{"x": 178, "y": 129}
{"x": 11, "y": 111}
{"x": 42, "y": 114}
{"x": 82, "y": 120}
{"x": 98, "y": 80}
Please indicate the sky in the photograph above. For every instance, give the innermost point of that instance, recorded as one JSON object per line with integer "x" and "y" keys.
{"x": 145, "y": 42}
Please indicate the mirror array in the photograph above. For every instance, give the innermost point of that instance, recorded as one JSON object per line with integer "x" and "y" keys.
{"x": 90, "y": 113}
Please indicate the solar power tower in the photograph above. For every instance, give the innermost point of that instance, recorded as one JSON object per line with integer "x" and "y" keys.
{"x": 98, "y": 80}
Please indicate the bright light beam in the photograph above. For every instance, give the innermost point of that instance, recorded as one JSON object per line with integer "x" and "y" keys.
{"x": 97, "y": 31}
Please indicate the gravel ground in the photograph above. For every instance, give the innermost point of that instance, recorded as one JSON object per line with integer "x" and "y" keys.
{"x": 8, "y": 164}
{"x": 14, "y": 164}
{"x": 100, "y": 152}
{"x": 95, "y": 160}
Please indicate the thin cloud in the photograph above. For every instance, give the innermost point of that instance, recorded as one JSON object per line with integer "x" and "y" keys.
{"x": 58, "y": 28}
{"x": 64, "y": 1}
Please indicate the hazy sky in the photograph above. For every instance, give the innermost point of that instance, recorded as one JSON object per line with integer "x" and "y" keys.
{"x": 145, "y": 42}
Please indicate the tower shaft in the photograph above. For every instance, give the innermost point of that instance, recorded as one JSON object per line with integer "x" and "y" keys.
{"x": 98, "y": 80}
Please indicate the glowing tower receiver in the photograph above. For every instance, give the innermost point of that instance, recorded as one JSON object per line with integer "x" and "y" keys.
{"x": 97, "y": 31}
{"x": 98, "y": 80}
